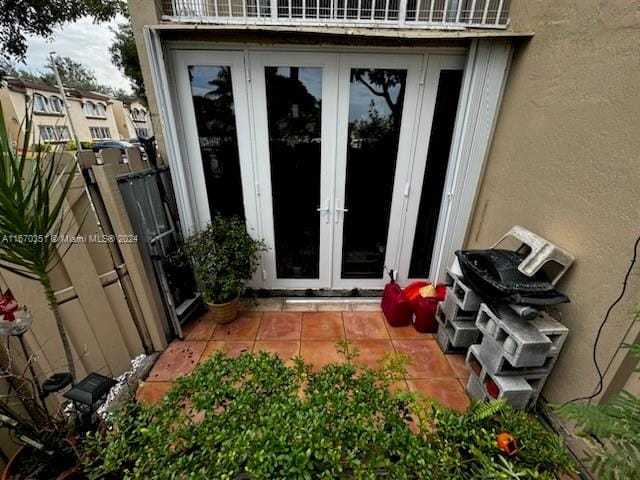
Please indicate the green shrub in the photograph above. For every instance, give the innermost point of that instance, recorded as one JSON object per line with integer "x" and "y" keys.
{"x": 223, "y": 257}
{"x": 253, "y": 417}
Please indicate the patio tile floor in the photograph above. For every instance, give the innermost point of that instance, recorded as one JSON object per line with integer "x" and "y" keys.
{"x": 313, "y": 335}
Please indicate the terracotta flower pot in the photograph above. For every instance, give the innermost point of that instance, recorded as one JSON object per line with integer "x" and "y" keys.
{"x": 11, "y": 469}
{"x": 224, "y": 312}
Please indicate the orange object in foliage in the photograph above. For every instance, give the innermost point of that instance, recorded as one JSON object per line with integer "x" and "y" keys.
{"x": 507, "y": 443}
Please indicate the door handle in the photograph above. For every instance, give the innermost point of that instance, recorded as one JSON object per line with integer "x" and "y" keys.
{"x": 325, "y": 210}
{"x": 340, "y": 209}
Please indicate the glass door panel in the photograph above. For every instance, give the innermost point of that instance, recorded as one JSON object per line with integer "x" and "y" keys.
{"x": 444, "y": 117}
{"x": 212, "y": 94}
{"x": 376, "y": 100}
{"x": 211, "y": 98}
{"x": 427, "y": 208}
{"x": 294, "y": 98}
{"x": 294, "y": 106}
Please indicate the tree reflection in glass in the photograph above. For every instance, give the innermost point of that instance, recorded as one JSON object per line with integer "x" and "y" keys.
{"x": 212, "y": 94}
{"x": 294, "y": 98}
{"x": 376, "y": 100}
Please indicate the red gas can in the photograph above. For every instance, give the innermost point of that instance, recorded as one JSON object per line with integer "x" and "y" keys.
{"x": 424, "y": 310}
{"x": 395, "y": 306}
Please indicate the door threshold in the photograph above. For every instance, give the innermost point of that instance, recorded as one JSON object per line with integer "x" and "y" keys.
{"x": 332, "y": 300}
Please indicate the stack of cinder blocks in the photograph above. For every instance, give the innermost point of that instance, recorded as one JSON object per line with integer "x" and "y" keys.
{"x": 456, "y": 316}
{"x": 515, "y": 355}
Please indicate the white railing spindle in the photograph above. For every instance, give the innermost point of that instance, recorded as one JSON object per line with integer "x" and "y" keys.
{"x": 445, "y": 11}
{"x": 499, "y": 12}
{"x": 359, "y": 13}
{"x": 418, "y": 5}
{"x": 402, "y": 12}
{"x": 486, "y": 11}
{"x": 386, "y": 10}
{"x": 472, "y": 13}
{"x": 274, "y": 9}
{"x": 459, "y": 11}
{"x": 431, "y": 11}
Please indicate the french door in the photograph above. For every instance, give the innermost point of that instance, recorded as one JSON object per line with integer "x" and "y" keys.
{"x": 338, "y": 160}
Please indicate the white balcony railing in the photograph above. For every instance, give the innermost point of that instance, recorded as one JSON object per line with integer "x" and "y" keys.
{"x": 436, "y": 14}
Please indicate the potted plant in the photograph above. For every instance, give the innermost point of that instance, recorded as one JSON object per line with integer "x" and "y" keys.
{"x": 223, "y": 257}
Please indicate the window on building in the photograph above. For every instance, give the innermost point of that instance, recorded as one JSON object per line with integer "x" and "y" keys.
{"x": 89, "y": 109}
{"x": 40, "y": 103}
{"x": 101, "y": 110}
{"x": 63, "y": 133}
{"x": 47, "y": 133}
{"x": 142, "y": 132}
{"x": 56, "y": 104}
{"x": 100, "y": 133}
{"x": 135, "y": 114}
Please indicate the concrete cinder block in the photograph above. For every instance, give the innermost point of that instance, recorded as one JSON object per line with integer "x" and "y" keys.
{"x": 453, "y": 310}
{"x": 514, "y": 390}
{"x": 476, "y": 390}
{"x": 445, "y": 344}
{"x": 522, "y": 344}
{"x": 491, "y": 356}
{"x": 552, "y": 329}
{"x": 462, "y": 334}
{"x": 465, "y": 296}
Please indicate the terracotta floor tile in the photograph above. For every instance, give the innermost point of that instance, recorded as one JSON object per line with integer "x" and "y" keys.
{"x": 320, "y": 352}
{"x": 364, "y": 325}
{"x": 245, "y": 327}
{"x": 398, "y": 386}
{"x": 200, "y": 328}
{"x": 233, "y": 348}
{"x": 428, "y": 361}
{"x": 285, "y": 349}
{"x": 371, "y": 351}
{"x": 402, "y": 333}
{"x": 178, "y": 360}
{"x": 280, "y": 326}
{"x": 449, "y": 392}
{"x": 322, "y": 325}
{"x": 457, "y": 364}
{"x": 152, "y": 392}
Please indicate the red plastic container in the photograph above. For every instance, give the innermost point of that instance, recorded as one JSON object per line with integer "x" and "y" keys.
{"x": 424, "y": 310}
{"x": 395, "y": 306}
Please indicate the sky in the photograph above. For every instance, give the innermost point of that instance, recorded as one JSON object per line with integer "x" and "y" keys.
{"x": 84, "y": 42}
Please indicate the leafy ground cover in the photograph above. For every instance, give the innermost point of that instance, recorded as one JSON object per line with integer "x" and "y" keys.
{"x": 253, "y": 417}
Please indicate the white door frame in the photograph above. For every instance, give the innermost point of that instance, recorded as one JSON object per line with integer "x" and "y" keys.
{"x": 328, "y": 62}
{"x": 485, "y": 74}
{"x": 414, "y": 181}
{"x": 413, "y": 64}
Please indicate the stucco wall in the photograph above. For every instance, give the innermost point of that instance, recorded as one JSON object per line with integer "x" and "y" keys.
{"x": 564, "y": 163}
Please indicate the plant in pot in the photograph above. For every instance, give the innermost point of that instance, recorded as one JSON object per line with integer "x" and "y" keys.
{"x": 33, "y": 188}
{"x": 223, "y": 257}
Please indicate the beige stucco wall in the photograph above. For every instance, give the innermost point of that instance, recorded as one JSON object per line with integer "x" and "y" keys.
{"x": 564, "y": 163}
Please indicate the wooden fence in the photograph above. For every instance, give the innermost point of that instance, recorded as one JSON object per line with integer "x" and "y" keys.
{"x": 110, "y": 304}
